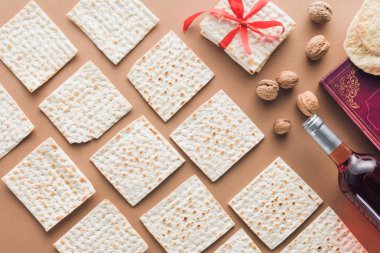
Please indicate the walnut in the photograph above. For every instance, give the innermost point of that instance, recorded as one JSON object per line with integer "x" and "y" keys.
{"x": 317, "y": 47}
{"x": 282, "y": 126}
{"x": 320, "y": 12}
{"x": 287, "y": 79}
{"x": 307, "y": 102}
{"x": 267, "y": 89}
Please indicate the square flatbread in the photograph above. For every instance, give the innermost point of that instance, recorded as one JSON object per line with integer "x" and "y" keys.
{"x": 217, "y": 135}
{"x": 33, "y": 47}
{"x": 215, "y": 29}
{"x": 49, "y": 184}
{"x": 137, "y": 160}
{"x": 327, "y": 233}
{"x": 86, "y": 105}
{"x": 275, "y": 203}
{"x": 14, "y": 124}
{"x": 103, "y": 230}
{"x": 188, "y": 220}
{"x": 115, "y": 26}
{"x": 169, "y": 75}
{"x": 239, "y": 243}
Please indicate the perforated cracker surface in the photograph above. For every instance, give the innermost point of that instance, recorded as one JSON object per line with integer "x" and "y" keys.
{"x": 368, "y": 26}
{"x": 327, "y": 233}
{"x": 103, "y": 230}
{"x": 169, "y": 75}
{"x": 115, "y": 26}
{"x": 137, "y": 160}
{"x": 33, "y": 47}
{"x": 86, "y": 105}
{"x": 49, "y": 184}
{"x": 275, "y": 203}
{"x": 358, "y": 53}
{"x": 14, "y": 124}
{"x": 188, "y": 220}
{"x": 239, "y": 243}
{"x": 215, "y": 29}
{"x": 217, "y": 135}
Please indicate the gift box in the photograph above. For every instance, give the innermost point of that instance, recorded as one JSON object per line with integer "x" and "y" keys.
{"x": 358, "y": 94}
{"x": 249, "y": 39}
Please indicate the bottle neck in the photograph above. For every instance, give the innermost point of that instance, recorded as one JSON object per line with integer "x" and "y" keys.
{"x": 327, "y": 140}
{"x": 341, "y": 154}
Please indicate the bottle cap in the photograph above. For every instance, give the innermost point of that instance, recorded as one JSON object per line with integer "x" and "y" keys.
{"x": 321, "y": 134}
{"x": 313, "y": 123}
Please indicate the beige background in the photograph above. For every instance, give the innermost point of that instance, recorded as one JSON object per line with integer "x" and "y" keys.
{"x": 20, "y": 232}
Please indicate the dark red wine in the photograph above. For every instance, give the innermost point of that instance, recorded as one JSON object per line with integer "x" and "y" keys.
{"x": 359, "y": 180}
{"x": 359, "y": 174}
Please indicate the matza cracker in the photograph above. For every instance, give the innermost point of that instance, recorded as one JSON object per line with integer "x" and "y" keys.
{"x": 86, "y": 105}
{"x": 49, "y": 184}
{"x": 33, "y": 47}
{"x": 275, "y": 203}
{"x": 103, "y": 230}
{"x": 188, "y": 220}
{"x": 359, "y": 53}
{"x": 14, "y": 124}
{"x": 239, "y": 243}
{"x": 137, "y": 160}
{"x": 368, "y": 26}
{"x": 327, "y": 233}
{"x": 169, "y": 75}
{"x": 115, "y": 26}
{"x": 215, "y": 29}
{"x": 217, "y": 135}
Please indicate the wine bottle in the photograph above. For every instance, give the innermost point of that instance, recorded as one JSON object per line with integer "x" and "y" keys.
{"x": 358, "y": 174}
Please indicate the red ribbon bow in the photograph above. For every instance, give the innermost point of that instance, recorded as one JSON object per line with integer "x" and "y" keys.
{"x": 237, "y": 8}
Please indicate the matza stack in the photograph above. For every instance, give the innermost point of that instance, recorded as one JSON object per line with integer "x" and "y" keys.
{"x": 188, "y": 220}
{"x": 115, "y": 27}
{"x": 33, "y": 47}
{"x": 86, "y": 105}
{"x": 215, "y": 29}
{"x": 327, "y": 233}
{"x": 368, "y": 26}
{"x": 103, "y": 230}
{"x": 169, "y": 75}
{"x": 217, "y": 135}
{"x": 362, "y": 43}
{"x": 275, "y": 203}
{"x": 239, "y": 243}
{"x": 14, "y": 124}
{"x": 137, "y": 160}
{"x": 49, "y": 184}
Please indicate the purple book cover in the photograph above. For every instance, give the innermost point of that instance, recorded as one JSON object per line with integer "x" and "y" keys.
{"x": 358, "y": 93}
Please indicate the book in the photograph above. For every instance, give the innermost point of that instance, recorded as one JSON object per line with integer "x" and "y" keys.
{"x": 358, "y": 94}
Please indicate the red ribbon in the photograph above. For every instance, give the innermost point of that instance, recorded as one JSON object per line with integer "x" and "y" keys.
{"x": 237, "y": 8}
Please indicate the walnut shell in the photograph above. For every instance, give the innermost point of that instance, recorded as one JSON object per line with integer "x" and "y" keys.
{"x": 320, "y": 12}
{"x": 267, "y": 89}
{"x": 308, "y": 103}
{"x": 287, "y": 79}
{"x": 282, "y": 126}
{"x": 317, "y": 47}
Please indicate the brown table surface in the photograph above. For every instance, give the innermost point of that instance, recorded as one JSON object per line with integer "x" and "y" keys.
{"x": 20, "y": 232}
